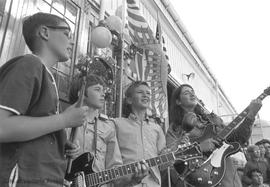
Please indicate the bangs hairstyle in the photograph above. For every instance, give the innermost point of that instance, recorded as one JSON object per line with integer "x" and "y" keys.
{"x": 130, "y": 90}
{"x": 77, "y": 84}
{"x": 250, "y": 172}
{"x": 32, "y": 23}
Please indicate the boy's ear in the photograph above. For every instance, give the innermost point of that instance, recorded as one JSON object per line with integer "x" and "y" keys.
{"x": 43, "y": 32}
{"x": 128, "y": 100}
{"x": 178, "y": 102}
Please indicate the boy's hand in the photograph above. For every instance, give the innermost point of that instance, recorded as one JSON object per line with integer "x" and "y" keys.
{"x": 73, "y": 116}
{"x": 72, "y": 150}
{"x": 209, "y": 145}
{"x": 141, "y": 171}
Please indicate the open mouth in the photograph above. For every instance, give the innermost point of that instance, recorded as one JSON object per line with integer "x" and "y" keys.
{"x": 145, "y": 100}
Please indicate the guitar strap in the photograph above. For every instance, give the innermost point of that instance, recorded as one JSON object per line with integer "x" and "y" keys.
{"x": 95, "y": 136}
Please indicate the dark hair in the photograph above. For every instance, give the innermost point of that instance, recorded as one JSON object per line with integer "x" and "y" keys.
{"x": 33, "y": 22}
{"x": 263, "y": 141}
{"x": 176, "y": 112}
{"x": 249, "y": 173}
{"x": 130, "y": 90}
{"x": 77, "y": 84}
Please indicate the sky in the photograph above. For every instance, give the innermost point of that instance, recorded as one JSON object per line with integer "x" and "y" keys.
{"x": 233, "y": 36}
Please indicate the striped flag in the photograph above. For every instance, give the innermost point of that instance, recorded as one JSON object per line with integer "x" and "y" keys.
{"x": 161, "y": 41}
{"x": 155, "y": 69}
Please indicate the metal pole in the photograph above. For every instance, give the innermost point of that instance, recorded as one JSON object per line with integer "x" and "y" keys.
{"x": 122, "y": 60}
{"x": 102, "y": 10}
{"x": 216, "y": 88}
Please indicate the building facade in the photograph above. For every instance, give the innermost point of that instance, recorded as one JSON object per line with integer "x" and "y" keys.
{"x": 187, "y": 64}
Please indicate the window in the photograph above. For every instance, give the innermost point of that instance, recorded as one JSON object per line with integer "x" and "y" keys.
{"x": 63, "y": 71}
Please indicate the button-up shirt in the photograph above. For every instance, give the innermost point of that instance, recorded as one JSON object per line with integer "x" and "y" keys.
{"x": 140, "y": 140}
{"x": 107, "y": 154}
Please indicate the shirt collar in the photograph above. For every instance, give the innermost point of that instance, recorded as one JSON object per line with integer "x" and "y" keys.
{"x": 133, "y": 117}
{"x": 96, "y": 116}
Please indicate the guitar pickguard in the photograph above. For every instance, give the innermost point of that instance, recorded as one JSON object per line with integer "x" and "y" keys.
{"x": 208, "y": 172}
{"x": 216, "y": 156}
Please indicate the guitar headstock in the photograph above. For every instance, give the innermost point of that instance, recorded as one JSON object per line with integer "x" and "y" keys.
{"x": 187, "y": 152}
{"x": 267, "y": 91}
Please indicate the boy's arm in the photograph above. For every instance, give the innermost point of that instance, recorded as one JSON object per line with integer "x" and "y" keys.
{"x": 243, "y": 132}
{"x": 16, "y": 128}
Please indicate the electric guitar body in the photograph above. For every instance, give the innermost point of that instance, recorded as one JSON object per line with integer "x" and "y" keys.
{"x": 209, "y": 170}
{"x": 81, "y": 166}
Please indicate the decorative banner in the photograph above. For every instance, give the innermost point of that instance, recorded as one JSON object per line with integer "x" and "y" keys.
{"x": 155, "y": 71}
{"x": 161, "y": 40}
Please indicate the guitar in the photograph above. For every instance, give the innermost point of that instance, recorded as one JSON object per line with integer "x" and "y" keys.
{"x": 209, "y": 171}
{"x": 82, "y": 175}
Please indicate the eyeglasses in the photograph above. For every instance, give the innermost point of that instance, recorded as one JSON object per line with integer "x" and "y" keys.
{"x": 69, "y": 34}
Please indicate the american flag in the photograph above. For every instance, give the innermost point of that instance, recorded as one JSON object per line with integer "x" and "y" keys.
{"x": 161, "y": 40}
{"x": 155, "y": 70}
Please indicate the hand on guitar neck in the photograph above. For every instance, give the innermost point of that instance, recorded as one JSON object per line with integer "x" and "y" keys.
{"x": 141, "y": 171}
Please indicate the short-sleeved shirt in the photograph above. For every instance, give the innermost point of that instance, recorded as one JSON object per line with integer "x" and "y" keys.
{"x": 140, "y": 140}
{"x": 28, "y": 89}
{"x": 107, "y": 154}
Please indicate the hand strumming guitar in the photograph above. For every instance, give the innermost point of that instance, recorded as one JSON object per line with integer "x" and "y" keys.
{"x": 72, "y": 150}
{"x": 209, "y": 145}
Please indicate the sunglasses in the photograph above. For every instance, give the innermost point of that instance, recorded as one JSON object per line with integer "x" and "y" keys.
{"x": 61, "y": 28}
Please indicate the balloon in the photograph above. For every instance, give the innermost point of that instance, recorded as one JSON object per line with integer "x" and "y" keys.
{"x": 101, "y": 37}
{"x": 115, "y": 23}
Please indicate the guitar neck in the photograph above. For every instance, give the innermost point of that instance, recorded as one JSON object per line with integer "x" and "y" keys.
{"x": 229, "y": 128}
{"x": 115, "y": 173}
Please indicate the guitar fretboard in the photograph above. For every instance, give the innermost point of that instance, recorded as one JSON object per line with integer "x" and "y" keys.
{"x": 229, "y": 128}
{"x": 114, "y": 173}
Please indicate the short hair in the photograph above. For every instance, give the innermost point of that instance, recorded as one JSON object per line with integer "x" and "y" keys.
{"x": 33, "y": 22}
{"x": 251, "y": 148}
{"x": 130, "y": 90}
{"x": 76, "y": 85}
{"x": 249, "y": 173}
